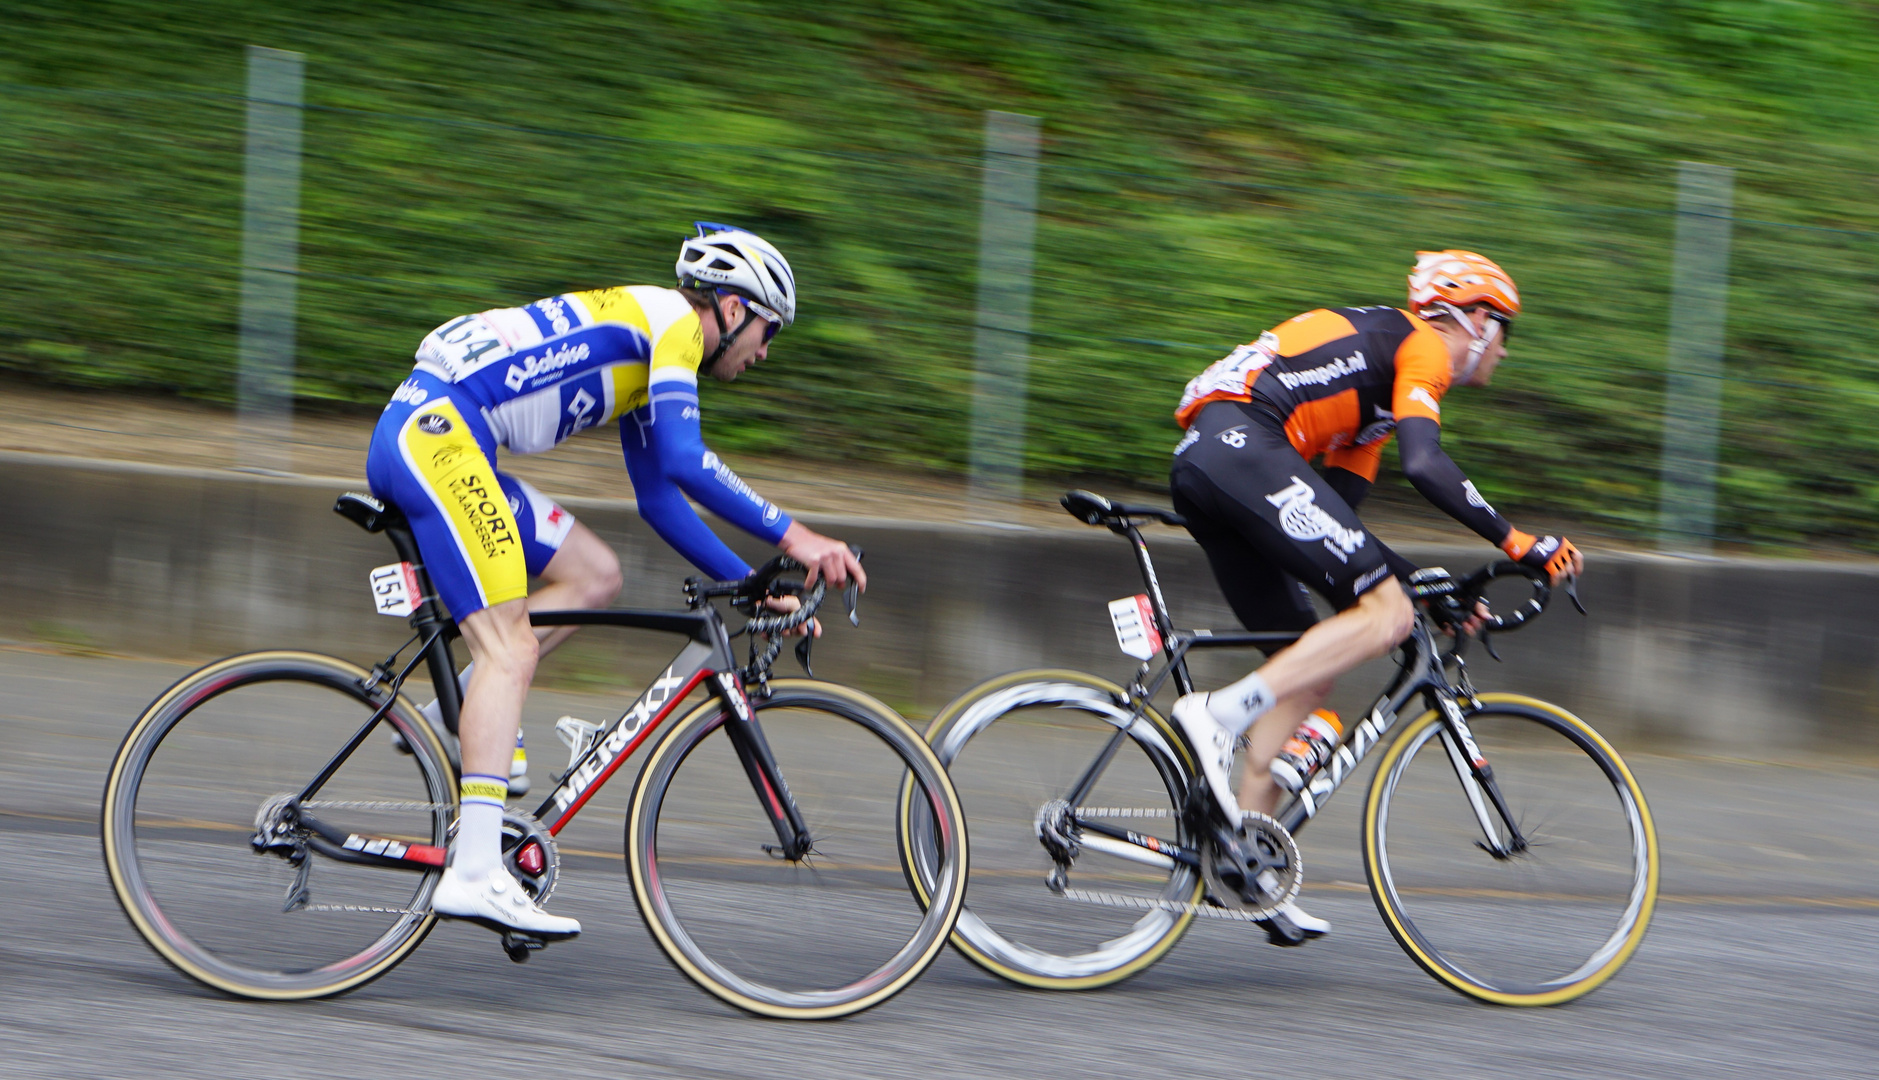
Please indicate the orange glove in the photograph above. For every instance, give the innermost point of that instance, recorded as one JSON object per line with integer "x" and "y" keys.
{"x": 1553, "y": 554}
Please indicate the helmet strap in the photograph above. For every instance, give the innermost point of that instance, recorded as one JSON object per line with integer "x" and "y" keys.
{"x": 725, "y": 337}
{"x": 1478, "y": 342}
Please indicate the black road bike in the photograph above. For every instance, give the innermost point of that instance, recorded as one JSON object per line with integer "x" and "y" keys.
{"x": 265, "y": 844}
{"x": 1507, "y": 846}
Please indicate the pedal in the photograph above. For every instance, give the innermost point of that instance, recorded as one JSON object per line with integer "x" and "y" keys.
{"x": 1282, "y": 931}
{"x": 519, "y": 945}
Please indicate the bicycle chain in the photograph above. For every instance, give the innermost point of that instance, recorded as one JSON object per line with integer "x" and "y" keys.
{"x": 1140, "y": 903}
{"x": 365, "y": 908}
{"x": 1119, "y": 900}
{"x": 365, "y": 804}
{"x": 368, "y": 804}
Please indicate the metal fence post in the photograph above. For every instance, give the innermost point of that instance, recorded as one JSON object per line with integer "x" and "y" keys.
{"x": 1007, "y": 231}
{"x": 270, "y": 227}
{"x": 1699, "y": 307}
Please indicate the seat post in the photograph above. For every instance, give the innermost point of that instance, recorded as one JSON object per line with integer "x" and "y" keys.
{"x": 1163, "y": 621}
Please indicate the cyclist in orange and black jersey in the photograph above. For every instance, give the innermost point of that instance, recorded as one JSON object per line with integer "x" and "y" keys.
{"x": 1336, "y": 383}
{"x": 1339, "y": 382}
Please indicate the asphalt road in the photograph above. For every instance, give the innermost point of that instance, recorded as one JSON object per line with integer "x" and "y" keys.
{"x": 1763, "y": 959}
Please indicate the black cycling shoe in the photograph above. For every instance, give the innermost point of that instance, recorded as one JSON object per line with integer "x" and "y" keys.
{"x": 1284, "y": 932}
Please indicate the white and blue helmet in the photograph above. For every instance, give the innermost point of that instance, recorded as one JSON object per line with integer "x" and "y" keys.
{"x": 726, "y": 257}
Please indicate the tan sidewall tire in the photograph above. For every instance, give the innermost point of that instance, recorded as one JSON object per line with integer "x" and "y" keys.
{"x": 936, "y": 730}
{"x": 670, "y": 744}
{"x": 157, "y": 713}
{"x": 1441, "y": 971}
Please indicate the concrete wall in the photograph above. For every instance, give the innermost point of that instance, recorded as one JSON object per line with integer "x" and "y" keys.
{"x": 1743, "y": 655}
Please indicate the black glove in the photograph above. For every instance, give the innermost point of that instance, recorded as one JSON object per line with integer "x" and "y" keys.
{"x": 1437, "y": 590}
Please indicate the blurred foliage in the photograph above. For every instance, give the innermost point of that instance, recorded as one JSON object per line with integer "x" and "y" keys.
{"x": 1208, "y": 171}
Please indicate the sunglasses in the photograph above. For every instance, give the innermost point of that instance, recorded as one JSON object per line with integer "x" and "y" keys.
{"x": 772, "y": 322}
{"x": 1507, "y": 324}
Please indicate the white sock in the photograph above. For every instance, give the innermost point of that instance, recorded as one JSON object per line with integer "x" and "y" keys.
{"x": 478, "y": 849}
{"x": 434, "y": 712}
{"x": 1238, "y": 704}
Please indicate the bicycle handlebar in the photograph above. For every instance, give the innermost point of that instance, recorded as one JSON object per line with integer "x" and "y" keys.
{"x": 1474, "y": 584}
{"x": 747, "y": 593}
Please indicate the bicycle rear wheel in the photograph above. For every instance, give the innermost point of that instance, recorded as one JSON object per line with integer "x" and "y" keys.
{"x": 1545, "y": 925}
{"x": 217, "y": 751}
{"x": 1015, "y": 746}
{"x": 826, "y": 936}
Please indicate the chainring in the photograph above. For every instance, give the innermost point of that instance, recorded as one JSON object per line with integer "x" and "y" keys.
{"x": 519, "y": 831}
{"x": 1273, "y": 861}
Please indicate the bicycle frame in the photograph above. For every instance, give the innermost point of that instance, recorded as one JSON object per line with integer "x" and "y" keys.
{"x": 1422, "y": 670}
{"x": 706, "y": 660}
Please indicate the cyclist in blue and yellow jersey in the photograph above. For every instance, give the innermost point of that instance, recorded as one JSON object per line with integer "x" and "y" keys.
{"x": 1335, "y": 383}
{"x": 527, "y": 378}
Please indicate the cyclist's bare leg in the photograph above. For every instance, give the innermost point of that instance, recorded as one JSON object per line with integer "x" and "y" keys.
{"x": 1264, "y": 741}
{"x": 504, "y": 652}
{"x": 1367, "y": 629}
{"x": 585, "y": 573}
{"x": 476, "y": 885}
{"x": 1362, "y": 632}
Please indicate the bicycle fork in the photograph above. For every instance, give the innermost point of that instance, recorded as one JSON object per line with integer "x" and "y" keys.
{"x": 766, "y": 779}
{"x": 1477, "y": 782}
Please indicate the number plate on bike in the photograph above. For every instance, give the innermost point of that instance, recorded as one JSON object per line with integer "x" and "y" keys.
{"x": 394, "y": 589}
{"x": 1134, "y": 621}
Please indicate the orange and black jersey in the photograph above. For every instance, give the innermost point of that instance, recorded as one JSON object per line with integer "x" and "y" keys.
{"x": 1338, "y": 379}
{"x": 1340, "y": 382}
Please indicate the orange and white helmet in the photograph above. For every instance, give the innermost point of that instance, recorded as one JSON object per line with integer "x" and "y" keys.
{"x": 1446, "y": 282}
{"x": 1460, "y": 278}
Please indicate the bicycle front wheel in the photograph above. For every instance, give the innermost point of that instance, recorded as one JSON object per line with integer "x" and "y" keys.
{"x": 221, "y": 750}
{"x": 1543, "y": 925}
{"x": 1016, "y": 747}
{"x": 830, "y": 934}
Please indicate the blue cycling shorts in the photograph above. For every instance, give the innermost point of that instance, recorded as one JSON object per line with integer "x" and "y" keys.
{"x": 481, "y": 534}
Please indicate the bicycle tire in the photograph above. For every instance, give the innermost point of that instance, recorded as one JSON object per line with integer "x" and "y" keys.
{"x": 1038, "y": 939}
{"x": 165, "y": 822}
{"x": 1502, "y": 930}
{"x": 743, "y": 924}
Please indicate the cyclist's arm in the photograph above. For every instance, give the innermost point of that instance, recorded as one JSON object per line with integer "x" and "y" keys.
{"x": 667, "y": 460}
{"x": 1441, "y": 482}
{"x": 1421, "y": 379}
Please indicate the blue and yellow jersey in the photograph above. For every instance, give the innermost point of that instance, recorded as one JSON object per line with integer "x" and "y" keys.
{"x": 542, "y": 372}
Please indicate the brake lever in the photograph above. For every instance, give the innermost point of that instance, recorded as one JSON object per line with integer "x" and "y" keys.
{"x": 1572, "y": 593}
{"x": 802, "y": 654}
{"x": 851, "y": 593}
{"x": 1487, "y": 642}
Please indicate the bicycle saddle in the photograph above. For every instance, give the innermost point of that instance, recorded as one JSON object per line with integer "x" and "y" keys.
{"x": 368, "y": 513}
{"x": 1093, "y": 509}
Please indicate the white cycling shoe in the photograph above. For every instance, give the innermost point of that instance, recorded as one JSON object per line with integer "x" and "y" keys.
{"x": 1214, "y": 744}
{"x": 499, "y": 903}
{"x": 1310, "y": 925}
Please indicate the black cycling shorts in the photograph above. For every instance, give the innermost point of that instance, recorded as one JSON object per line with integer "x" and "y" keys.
{"x": 1270, "y": 525}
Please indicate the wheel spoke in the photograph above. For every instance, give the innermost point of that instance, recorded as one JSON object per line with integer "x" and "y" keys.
{"x": 1016, "y": 747}
{"x": 1542, "y": 924}
{"x": 825, "y": 935}
{"x": 225, "y": 747}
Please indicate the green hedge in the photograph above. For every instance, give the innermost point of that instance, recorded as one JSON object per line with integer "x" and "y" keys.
{"x": 1208, "y": 171}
